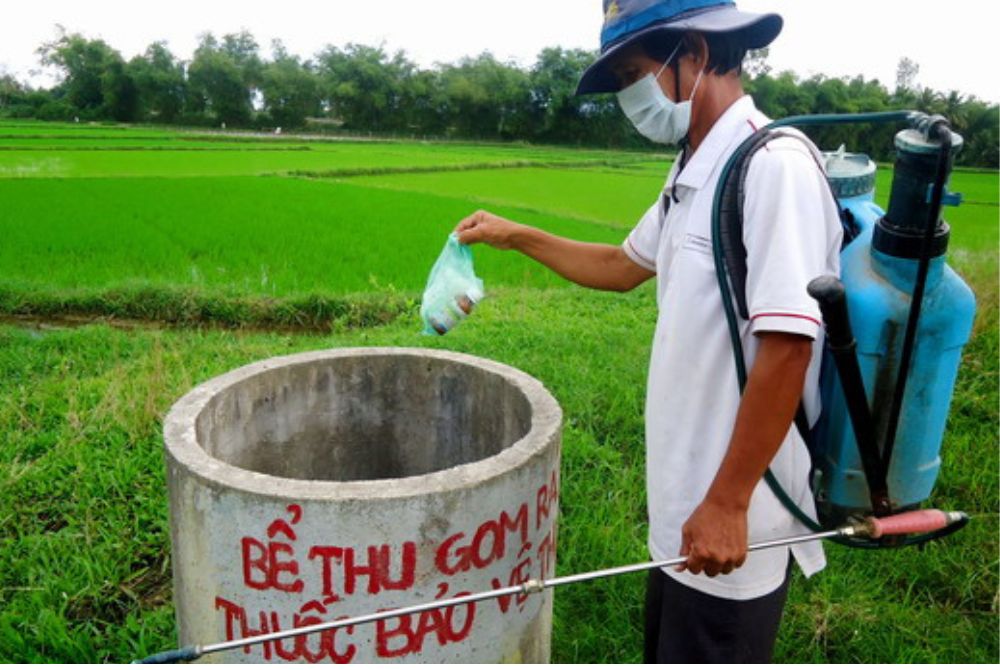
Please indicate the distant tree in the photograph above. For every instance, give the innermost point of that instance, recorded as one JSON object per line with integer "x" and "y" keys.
{"x": 245, "y": 52}
{"x": 290, "y": 89}
{"x": 954, "y": 108}
{"x": 159, "y": 78}
{"x": 11, "y": 92}
{"x": 755, "y": 64}
{"x": 18, "y": 100}
{"x": 979, "y": 124}
{"x": 363, "y": 86}
{"x": 425, "y": 105}
{"x": 930, "y": 101}
{"x": 488, "y": 99}
{"x": 869, "y": 96}
{"x": 83, "y": 63}
{"x": 783, "y": 95}
{"x": 56, "y": 110}
{"x": 906, "y": 75}
{"x": 21, "y": 101}
{"x": 121, "y": 95}
{"x": 217, "y": 86}
{"x": 557, "y": 113}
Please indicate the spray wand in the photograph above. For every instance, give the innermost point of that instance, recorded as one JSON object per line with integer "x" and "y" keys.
{"x": 921, "y": 521}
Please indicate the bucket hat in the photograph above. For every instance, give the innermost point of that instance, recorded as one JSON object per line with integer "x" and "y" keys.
{"x": 625, "y": 21}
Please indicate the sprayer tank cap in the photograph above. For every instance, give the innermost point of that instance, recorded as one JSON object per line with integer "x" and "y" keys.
{"x": 913, "y": 141}
{"x": 850, "y": 174}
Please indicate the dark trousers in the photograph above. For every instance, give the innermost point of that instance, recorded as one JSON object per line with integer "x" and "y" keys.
{"x": 687, "y": 626}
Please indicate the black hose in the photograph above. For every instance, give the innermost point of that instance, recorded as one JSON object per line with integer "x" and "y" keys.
{"x": 942, "y": 132}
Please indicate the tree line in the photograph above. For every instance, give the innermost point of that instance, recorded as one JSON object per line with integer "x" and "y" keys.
{"x": 365, "y": 89}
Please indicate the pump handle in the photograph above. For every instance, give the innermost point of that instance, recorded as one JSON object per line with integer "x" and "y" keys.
{"x": 829, "y": 292}
{"x": 920, "y": 521}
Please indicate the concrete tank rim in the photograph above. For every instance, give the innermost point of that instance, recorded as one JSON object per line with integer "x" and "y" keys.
{"x": 182, "y": 448}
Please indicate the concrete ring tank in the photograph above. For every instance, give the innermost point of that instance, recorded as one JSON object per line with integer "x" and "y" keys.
{"x": 338, "y": 483}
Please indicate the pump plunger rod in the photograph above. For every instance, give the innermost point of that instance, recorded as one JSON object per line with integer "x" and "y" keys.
{"x": 911, "y": 522}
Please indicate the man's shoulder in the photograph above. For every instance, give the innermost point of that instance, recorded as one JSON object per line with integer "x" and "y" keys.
{"x": 788, "y": 138}
{"x": 788, "y": 151}
{"x": 789, "y": 173}
{"x": 784, "y": 146}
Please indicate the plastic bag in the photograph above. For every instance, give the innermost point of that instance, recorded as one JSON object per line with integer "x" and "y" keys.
{"x": 453, "y": 289}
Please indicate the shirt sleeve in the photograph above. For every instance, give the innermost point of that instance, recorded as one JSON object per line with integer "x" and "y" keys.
{"x": 642, "y": 243}
{"x": 792, "y": 234}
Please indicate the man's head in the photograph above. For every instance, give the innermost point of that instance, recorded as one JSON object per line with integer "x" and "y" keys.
{"x": 640, "y": 34}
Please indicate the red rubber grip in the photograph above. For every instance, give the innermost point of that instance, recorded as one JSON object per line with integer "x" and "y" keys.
{"x": 920, "y": 521}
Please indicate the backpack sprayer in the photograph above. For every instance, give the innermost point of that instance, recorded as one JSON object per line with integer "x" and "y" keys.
{"x": 876, "y": 447}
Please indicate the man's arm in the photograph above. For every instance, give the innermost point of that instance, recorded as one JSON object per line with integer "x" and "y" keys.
{"x": 599, "y": 266}
{"x": 715, "y": 536}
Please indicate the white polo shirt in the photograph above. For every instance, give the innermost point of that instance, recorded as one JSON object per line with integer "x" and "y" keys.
{"x": 792, "y": 234}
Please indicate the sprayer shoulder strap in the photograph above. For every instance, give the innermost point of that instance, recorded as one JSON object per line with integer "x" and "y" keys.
{"x": 731, "y": 269}
{"x": 731, "y": 206}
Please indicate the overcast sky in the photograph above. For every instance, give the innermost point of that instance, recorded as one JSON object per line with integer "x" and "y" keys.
{"x": 953, "y": 42}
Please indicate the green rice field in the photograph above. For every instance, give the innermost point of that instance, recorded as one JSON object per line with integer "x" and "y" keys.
{"x": 138, "y": 262}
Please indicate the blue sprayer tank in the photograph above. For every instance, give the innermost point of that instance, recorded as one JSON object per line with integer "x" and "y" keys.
{"x": 879, "y": 270}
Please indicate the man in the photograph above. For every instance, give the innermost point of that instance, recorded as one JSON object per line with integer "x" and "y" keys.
{"x": 675, "y": 66}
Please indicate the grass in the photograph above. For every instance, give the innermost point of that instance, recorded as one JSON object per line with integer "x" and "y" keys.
{"x": 84, "y": 540}
{"x": 98, "y": 153}
{"x": 85, "y": 506}
{"x": 174, "y": 163}
{"x": 140, "y": 305}
{"x": 566, "y": 192}
{"x": 290, "y": 237}
{"x": 272, "y": 237}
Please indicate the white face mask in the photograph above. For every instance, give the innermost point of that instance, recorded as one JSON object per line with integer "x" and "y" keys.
{"x": 652, "y": 113}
